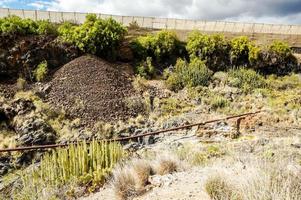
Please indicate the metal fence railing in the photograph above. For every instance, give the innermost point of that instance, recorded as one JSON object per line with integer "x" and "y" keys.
{"x": 160, "y": 23}
{"x": 288, "y": 32}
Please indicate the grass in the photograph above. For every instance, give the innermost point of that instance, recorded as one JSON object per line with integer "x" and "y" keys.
{"x": 84, "y": 164}
{"x": 131, "y": 179}
{"x": 219, "y": 102}
{"x": 166, "y": 165}
{"x": 218, "y": 188}
{"x": 41, "y": 71}
{"x": 173, "y": 106}
{"x": 198, "y": 157}
{"x": 124, "y": 183}
{"x": 260, "y": 180}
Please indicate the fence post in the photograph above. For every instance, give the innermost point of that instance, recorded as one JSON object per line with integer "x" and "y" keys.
{"x": 23, "y": 13}
{"x": 62, "y": 16}
{"x": 8, "y": 12}
{"x": 152, "y": 23}
{"x": 36, "y": 15}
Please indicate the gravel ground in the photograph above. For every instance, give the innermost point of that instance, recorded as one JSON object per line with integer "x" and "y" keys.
{"x": 92, "y": 89}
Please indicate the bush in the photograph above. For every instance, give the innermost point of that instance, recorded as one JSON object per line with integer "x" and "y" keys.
{"x": 243, "y": 51}
{"x": 41, "y": 71}
{"x": 280, "y": 59}
{"x": 211, "y": 48}
{"x": 46, "y": 28}
{"x": 159, "y": 46}
{"x": 16, "y": 25}
{"x": 193, "y": 74}
{"x": 246, "y": 79}
{"x": 95, "y": 35}
{"x": 146, "y": 69}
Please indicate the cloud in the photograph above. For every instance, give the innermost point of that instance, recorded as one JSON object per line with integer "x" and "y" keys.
{"x": 4, "y": 3}
{"x": 272, "y": 11}
{"x": 39, "y": 5}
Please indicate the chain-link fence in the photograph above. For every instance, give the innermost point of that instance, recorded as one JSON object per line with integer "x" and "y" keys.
{"x": 291, "y": 33}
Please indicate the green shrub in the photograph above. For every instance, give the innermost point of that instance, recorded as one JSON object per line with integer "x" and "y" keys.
{"x": 146, "y": 69}
{"x": 243, "y": 51}
{"x": 81, "y": 163}
{"x": 280, "y": 59}
{"x": 41, "y": 71}
{"x": 211, "y": 48}
{"x": 158, "y": 46}
{"x": 95, "y": 35}
{"x": 16, "y": 25}
{"x": 46, "y": 28}
{"x": 287, "y": 82}
{"x": 246, "y": 79}
{"x": 219, "y": 102}
{"x": 193, "y": 74}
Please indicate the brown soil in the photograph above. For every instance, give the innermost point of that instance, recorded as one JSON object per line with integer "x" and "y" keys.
{"x": 92, "y": 89}
{"x": 7, "y": 90}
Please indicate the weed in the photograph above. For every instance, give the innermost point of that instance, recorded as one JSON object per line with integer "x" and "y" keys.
{"x": 219, "y": 102}
{"x": 41, "y": 71}
{"x": 220, "y": 189}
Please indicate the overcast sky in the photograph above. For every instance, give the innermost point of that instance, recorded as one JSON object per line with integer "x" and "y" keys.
{"x": 268, "y": 11}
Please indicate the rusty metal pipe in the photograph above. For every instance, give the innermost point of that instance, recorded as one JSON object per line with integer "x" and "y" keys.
{"x": 51, "y": 146}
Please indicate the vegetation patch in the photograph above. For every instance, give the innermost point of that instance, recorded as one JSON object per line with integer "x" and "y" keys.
{"x": 88, "y": 165}
{"x": 193, "y": 74}
{"x": 97, "y": 36}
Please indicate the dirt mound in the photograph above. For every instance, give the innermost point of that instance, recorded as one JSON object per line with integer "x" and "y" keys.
{"x": 92, "y": 89}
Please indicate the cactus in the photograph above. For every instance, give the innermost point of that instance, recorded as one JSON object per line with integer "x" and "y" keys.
{"x": 87, "y": 162}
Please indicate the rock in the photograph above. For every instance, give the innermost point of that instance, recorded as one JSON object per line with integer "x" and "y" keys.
{"x": 5, "y": 165}
{"x": 43, "y": 89}
{"x": 263, "y": 141}
{"x": 159, "y": 181}
{"x": 22, "y": 106}
{"x": 25, "y": 158}
{"x": 296, "y": 145}
{"x": 35, "y": 131}
{"x": 134, "y": 146}
{"x": 175, "y": 122}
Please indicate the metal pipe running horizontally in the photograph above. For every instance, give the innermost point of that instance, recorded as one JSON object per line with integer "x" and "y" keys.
{"x": 52, "y": 146}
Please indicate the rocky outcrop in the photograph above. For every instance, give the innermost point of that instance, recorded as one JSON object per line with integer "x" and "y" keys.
{"x": 35, "y": 131}
{"x": 20, "y": 55}
{"x": 31, "y": 130}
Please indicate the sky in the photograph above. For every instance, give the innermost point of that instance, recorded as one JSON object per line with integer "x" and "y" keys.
{"x": 266, "y": 11}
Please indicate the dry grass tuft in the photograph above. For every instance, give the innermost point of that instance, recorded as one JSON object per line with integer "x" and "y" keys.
{"x": 167, "y": 165}
{"x": 130, "y": 180}
{"x": 218, "y": 188}
{"x": 142, "y": 170}
{"x": 258, "y": 181}
{"x": 124, "y": 183}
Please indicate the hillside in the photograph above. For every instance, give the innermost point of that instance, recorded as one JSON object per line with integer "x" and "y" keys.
{"x": 103, "y": 111}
